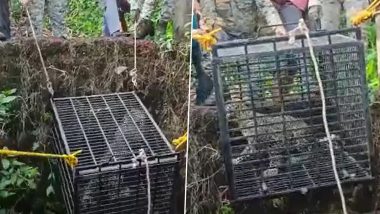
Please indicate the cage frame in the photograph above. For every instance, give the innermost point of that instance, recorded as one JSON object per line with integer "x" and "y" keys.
{"x": 71, "y": 176}
{"x": 224, "y": 136}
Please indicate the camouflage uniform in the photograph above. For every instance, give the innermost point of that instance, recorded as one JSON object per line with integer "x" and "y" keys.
{"x": 56, "y": 10}
{"x": 242, "y": 18}
{"x": 333, "y": 9}
{"x": 236, "y": 17}
{"x": 145, "y": 7}
{"x": 167, "y": 11}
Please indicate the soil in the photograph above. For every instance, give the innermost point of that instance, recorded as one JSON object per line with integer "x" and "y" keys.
{"x": 83, "y": 67}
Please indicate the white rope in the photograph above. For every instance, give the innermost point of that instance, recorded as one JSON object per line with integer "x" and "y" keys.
{"x": 49, "y": 84}
{"x": 133, "y": 72}
{"x": 303, "y": 29}
{"x": 142, "y": 156}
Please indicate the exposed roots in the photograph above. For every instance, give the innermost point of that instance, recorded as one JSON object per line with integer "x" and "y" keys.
{"x": 205, "y": 168}
{"x": 83, "y": 67}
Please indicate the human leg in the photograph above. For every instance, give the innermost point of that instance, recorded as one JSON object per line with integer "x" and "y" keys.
{"x": 57, "y": 10}
{"x": 36, "y": 9}
{"x": 290, "y": 16}
{"x": 205, "y": 85}
{"x": 331, "y": 10}
{"x": 5, "y": 30}
{"x": 111, "y": 18}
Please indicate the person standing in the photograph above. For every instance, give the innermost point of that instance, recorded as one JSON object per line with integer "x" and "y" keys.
{"x": 205, "y": 84}
{"x": 142, "y": 11}
{"x": 56, "y": 10}
{"x": 113, "y": 18}
{"x": 335, "y": 10}
{"x": 291, "y": 11}
{"x": 5, "y": 28}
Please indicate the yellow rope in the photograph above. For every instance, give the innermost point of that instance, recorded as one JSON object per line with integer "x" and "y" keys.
{"x": 180, "y": 143}
{"x": 70, "y": 159}
{"x": 365, "y": 14}
{"x": 207, "y": 40}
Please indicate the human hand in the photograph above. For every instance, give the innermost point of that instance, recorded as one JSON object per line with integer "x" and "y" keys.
{"x": 280, "y": 31}
{"x": 25, "y": 2}
{"x": 315, "y": 12}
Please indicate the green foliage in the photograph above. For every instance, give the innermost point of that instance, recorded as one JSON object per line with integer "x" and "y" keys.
{"x": 371, "y": 62}
{"x": 84, "y": 18}
{"x": 16, "y": 180}
{"x": 226, "y": 209}
{"x": 16, "y": 9}
{"x": 165, "y": 39}
{"x": 6, "y": 99}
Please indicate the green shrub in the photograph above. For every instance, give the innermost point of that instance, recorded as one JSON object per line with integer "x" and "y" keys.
{"x": 84, "y": 18}
{"x": 371, "y": 62}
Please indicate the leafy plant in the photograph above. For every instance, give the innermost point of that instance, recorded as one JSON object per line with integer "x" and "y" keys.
{"x": 84, "y": 18}
{"x": 16, "y": 8}
{"x": 17, "y": 179}
{"x": 6, "y": 99}
{"x": 371, "y": 62}
{"x": 226, "y": 209}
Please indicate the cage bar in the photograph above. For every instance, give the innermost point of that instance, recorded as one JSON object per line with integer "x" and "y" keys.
{"x": 270, "y": 112}
{"x": 110, "y": 130}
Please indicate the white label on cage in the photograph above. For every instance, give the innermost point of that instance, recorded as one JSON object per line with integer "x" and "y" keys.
{"x": 270, "y": 172}
{"x": 236, "y": 160}
{"x": 304, "y": 190}
{"x": 264, "y": 186}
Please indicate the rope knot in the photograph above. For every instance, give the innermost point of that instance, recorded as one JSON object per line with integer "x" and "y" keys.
{"x": 302, "y": 28}
{"x": 71, "y": 159}
{"x": 142, "y": 156}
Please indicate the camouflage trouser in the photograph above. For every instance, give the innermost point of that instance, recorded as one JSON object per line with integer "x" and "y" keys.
{"x": 332, "y": 15}
{"x": 56, "y": 10}
{"x": 167, "y": 10}
{"x": 146, "y": 7}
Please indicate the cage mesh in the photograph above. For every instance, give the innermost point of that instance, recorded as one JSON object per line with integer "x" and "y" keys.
{"x": 272, "y": 132}
{"x": 110, "y": 130}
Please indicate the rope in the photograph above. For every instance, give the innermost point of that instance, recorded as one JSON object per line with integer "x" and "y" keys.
{"x": 303, "y": 28}
{"x": 133, "y": 72}
{"x": 142, "y": 156}
{"x": 180, "y": 142}
{"x": 366, "y": 14}
{"x": 48, "y": 84}
{"x": 207, "y": 40}
{"x": 70, "y": 159}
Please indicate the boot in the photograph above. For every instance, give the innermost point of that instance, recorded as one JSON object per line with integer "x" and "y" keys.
{"x": 144, "y": 28}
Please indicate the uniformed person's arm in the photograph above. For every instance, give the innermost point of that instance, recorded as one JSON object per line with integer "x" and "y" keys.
{"x": 314, "y": 3}
{"x": 211, "y": 7}
{"x": 269, "y": 11}
{"x": 134, "y": 5}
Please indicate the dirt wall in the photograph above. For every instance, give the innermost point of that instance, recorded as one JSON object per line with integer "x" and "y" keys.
{"x": 82, "y": 67}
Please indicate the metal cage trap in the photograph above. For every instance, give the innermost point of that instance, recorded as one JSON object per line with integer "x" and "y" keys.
{"x": 270, "y": 113}
{"x": 110, "y": 130}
